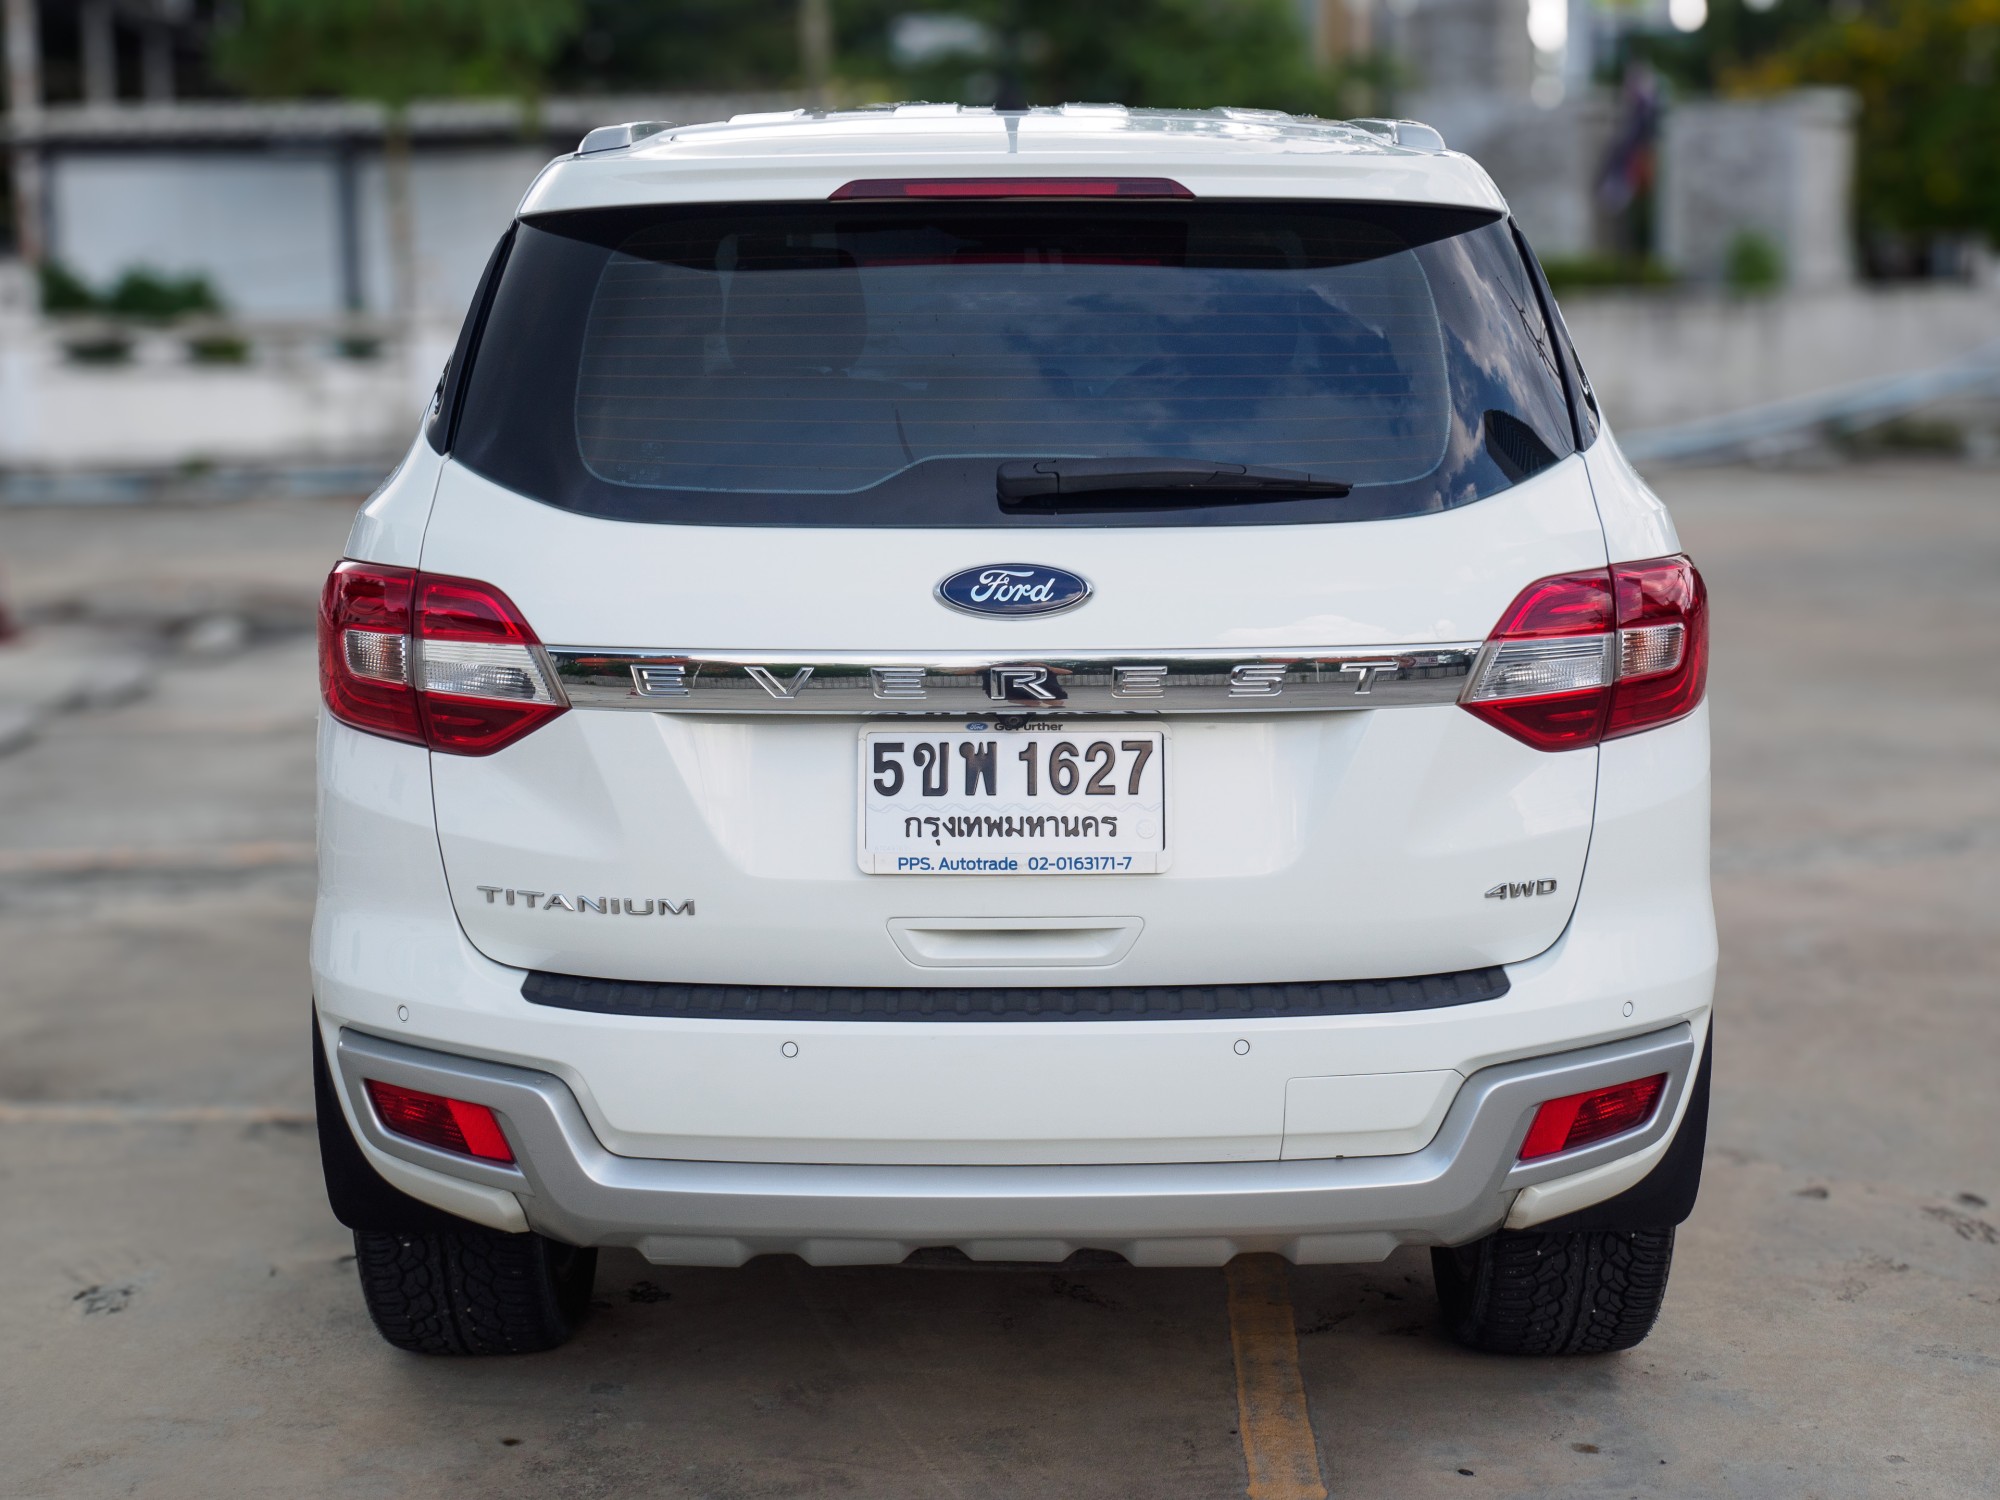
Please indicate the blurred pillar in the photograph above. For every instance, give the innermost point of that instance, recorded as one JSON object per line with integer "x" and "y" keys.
{"x": 1468, "y": 49}
{"x": 99, "y": 48}
{"x": 1780, "y": 169}
{"x": 816, "y": 48}
{"x": 347, "y": 215}
{"x": 1341, "y": 29}
{"x": 156, "y": 63}
{"x": 24, "y": 122}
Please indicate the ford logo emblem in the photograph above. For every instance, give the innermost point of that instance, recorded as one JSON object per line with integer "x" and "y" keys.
{"x": 1013, "y": 589}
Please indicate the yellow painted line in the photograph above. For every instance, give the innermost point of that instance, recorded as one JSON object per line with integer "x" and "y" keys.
{"x": 1278, "y": 1446}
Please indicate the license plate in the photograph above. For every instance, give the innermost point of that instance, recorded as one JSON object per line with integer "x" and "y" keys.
{"x": 1023, "y": 802}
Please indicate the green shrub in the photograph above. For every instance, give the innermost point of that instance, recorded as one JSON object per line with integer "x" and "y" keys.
{"x": 145, "y": 293}
{"x": 104, "y": 351}
{"x": 1754, "y": 264}
{"x": 63, "y": 291}
{"x": 140, "y": 292}
{"x": 219, "y": 349}
{"x": 1908, "y": 434}
{"x": 1580, "y": 272}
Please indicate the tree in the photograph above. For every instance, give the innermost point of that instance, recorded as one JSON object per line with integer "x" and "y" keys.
{"x": 1736, "y": 35}
{"x": 1928, "y": 74}
{"x": 394, "y": 52}
{"x": 1142, "y": 52}
{"x": 692, "y": 46}
{"x": 1161, "y": 53}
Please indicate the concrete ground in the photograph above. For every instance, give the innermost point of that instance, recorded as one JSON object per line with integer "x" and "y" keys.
{"x": 178, "y": 1315}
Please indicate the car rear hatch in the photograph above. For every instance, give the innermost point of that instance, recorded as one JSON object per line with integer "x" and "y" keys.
{"x": 669, "y": 838}
{"x": 727, "y": 466}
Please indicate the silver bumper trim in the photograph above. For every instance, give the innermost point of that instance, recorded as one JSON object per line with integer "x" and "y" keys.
{"x": 1199, "y": 1213}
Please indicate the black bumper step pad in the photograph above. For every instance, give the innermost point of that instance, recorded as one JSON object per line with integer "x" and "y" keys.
{"x": 1178, "y": 1002}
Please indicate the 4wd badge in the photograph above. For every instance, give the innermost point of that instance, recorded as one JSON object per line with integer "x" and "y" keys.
{"x": 1506, "y": 891}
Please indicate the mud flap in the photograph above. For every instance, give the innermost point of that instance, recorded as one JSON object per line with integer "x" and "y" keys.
{"x": 357, "y": 1193}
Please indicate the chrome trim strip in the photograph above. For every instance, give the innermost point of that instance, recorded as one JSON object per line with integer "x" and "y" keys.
{"x": 1456, "y": 1189}
{"x": 959, "y": 683}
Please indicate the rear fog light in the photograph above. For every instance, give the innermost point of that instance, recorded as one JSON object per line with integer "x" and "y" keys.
{"x": 1581, "y": 1119}
{"x": 448, "y": 1124}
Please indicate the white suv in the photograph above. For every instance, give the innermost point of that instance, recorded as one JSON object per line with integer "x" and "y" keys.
{"x": 1022, "y": 681}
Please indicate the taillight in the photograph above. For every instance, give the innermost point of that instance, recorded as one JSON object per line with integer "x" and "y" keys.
{"x": 481, "y": 677}
{"x": 1582, "y": 1119}
{"x": 437, "y": 661}
{"x": 448, "y": 1124}
{"x": 1662, "y": 644}
{"x": 364, "y": 650}
{"x": 1585, "y": 657}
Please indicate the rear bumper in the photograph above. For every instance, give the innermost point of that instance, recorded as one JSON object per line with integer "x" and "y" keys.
{"x": 1458, "y": 1188}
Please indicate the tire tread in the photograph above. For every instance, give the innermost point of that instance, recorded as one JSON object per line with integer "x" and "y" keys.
{"x": 472, "y": 1291}
{"x": 1572, "y": 1292}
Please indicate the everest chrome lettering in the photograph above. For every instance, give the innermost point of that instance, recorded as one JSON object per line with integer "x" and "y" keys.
{"x": 970, "y": 683}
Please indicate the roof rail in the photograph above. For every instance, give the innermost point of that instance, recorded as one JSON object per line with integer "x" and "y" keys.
{"x": 1411, "y": 133}
{"x": 617, "y": 137}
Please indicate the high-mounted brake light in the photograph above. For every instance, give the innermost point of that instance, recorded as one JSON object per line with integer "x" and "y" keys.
{"x": 1012, "y": 187}
{"x": 448, "y": 1124}
{"x": 438, "y": 661}
{"x": 1585, "y": 657}
{"x": 1583, "y": 1119}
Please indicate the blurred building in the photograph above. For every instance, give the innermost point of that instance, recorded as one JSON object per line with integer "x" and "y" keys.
{"x": 1515, "y": 84}
{"x": 324, "y": 359}
{"x": 1507, "y": 81}
{"x": 1778, "y": 170}
{"x": 283, "y": 207}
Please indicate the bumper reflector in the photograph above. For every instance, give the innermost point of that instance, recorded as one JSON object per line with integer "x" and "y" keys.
{"x": 1582, "y": 1119}
{"x": 448, "y": 1124}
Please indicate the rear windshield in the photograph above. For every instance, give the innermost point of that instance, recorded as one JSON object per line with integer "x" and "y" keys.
{"x": 847, "y": 364}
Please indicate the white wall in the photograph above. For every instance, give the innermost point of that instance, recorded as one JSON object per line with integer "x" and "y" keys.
{"x": 1658, "y": 359}
{"x": 264, "y": 226}
{"x": 463, "y": 201}
{"x": 295, "y": 402}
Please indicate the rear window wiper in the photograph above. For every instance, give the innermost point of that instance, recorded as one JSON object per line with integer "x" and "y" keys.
{"x": 1048, "y": 479}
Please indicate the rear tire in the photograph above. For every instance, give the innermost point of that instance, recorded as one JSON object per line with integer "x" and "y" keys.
{"x": 1584, "y": 1291}
{"x": 472, "y": 1290}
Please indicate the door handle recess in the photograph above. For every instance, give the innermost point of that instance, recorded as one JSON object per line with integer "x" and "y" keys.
{"x": 1015, "y": 942}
